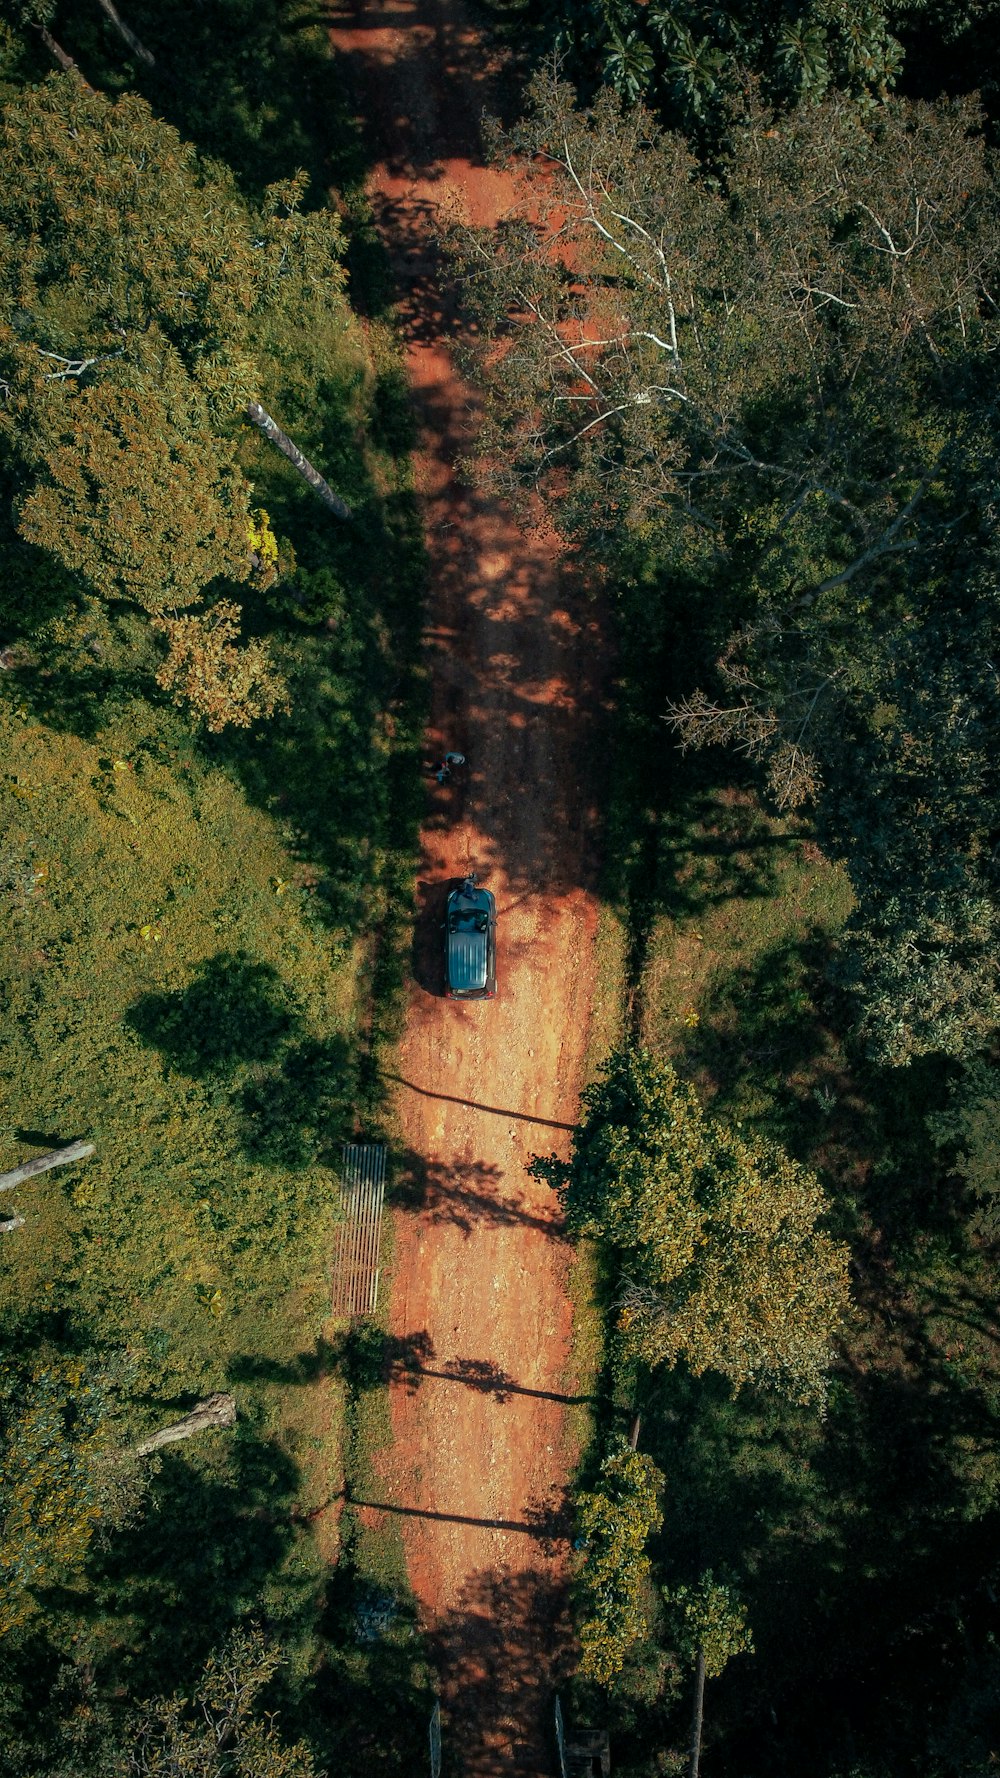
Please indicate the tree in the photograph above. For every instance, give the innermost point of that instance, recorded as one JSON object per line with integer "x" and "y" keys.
{"x": 711, "y": 1629}
{"x": 666, "y": 353}
{"x": 222, "y": 682}
{"x": 63, "y": 1472}
{"x": 774, "y": 380}
{"x": 723, "y": 1261}
{"x": 137, "y": 290}
{"x": 135, "y": 493}
{"x": 969, "y": 1128}
{"x": 685, "y": 60}
{"x": 615, "y": 1520}
{"x": 219, "y": 1731}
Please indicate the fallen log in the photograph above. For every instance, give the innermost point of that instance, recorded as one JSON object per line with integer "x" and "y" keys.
{"x": 215, "y": 1410}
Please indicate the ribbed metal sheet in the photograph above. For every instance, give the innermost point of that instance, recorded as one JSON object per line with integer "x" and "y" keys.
{"x": 362, "y": 1193}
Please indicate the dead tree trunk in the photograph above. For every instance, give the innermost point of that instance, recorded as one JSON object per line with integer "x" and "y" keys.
{"x": 56, "y": 1157}
{"x": 137, "y": 48}
{"x": 272, "y": 430}
{"x": 10, "y": 1223}
{"x": 215, "y": 1410}
{"x": 696, "y": 1719}
{"x": 65, "y": 61}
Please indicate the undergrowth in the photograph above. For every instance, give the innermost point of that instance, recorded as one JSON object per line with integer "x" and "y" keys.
{"x": 860, "y": 1542}
{"x": 204, "y": 941}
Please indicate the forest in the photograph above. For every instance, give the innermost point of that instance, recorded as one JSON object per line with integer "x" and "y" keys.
{"x": 739, "y": 334}
{"x": 738, "y": 337}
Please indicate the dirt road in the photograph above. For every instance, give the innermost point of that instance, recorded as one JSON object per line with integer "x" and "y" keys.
{"x": 480, "y": 1316}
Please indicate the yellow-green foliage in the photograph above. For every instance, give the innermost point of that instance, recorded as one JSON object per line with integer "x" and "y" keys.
{"x": 726, "y": 1266}
{"x": 139, "y": 496}
{"x": 168, "y": 994}
{"x": 47, "y": 1499}
{"x": 615, "y": 1521}
{"x": 713, "y": 1623}
{"x": 220, "y": 1732}
{"x": 219, "y": 681}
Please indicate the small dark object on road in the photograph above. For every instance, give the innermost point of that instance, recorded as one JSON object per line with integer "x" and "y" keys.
{"x": 443, "y": 772}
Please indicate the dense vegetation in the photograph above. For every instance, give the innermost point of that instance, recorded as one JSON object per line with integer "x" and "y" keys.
{"x": 743, "y": 342}
{"x": 210, "y": 710}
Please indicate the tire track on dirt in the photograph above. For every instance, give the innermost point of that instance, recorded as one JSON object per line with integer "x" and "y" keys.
{"x": 480, "y": 1321}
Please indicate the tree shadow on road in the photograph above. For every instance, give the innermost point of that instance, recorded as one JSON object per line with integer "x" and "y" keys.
{"x": 502, "y": 1652}
{"x": 465, "y": 1193}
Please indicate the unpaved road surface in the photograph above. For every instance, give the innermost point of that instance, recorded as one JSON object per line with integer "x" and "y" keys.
{"x": 480, "y": 1317}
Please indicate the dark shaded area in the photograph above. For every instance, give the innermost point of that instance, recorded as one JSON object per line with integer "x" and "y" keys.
{"x": 250, "y": 82}
{"x": 233, "y": 1011}
{"x": 427, "y": 955}
{"x": 46, "y": 1140}
{"x": 371, "y": 1701}
{"x": 869, "y": 1575}
{"x": 298, "y": 1115}
{"x": 549, "y": 1526}
{"x": 462, "y": 1193}
{"x": 227, "y": 1026}
{"x": 521, "y": 1117}
{"x": 215, "y": 1542}
{"x": 505, "y": 1648}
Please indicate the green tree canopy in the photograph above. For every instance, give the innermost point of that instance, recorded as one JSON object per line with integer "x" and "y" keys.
{"x": 615, "y": 1520}
{"x": 220, "y": 1731}
{"x": 62, "y": 1472}
{"x": 777, "y": 382}
{"x": 711, "y": 1621}
{"x": 686, "y": 60}
{"x": 718, "y": 1235}
{"x": 138, "y": 495}
{"x": 139, "y": 298}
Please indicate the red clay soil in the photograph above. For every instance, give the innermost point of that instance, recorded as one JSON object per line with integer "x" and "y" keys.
{"x": 480, "y": 1319}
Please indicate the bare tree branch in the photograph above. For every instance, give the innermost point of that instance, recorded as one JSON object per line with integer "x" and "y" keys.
{"x": 271, "y": 430}
{"x": 138, "y": 49}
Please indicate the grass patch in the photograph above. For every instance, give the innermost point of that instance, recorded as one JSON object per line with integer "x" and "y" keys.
{"x": 204, "y": 941}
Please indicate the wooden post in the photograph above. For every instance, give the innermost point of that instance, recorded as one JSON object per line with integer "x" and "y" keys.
{"x": 270, "y": 428}
{"x": 696, "y": 1719}
{"x": 57, "y": 1157}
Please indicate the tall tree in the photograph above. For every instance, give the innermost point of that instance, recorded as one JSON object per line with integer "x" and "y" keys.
{"x": 221, "y": 1730}
{"x": 136, "y": 291}
{"x": 711, "y": 1629}
{"x": 779, "y": 379}
{"x": 686, "y": 60}
{"x": 63, "y": 1472}
{"x": 718, "y": 1236}
{"x": 615, "y": 1517}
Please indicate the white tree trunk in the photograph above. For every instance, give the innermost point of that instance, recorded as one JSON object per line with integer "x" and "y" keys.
{"x": 270, "y": 428}
{"x": 137, "y": 48}
{"x": 56, "y": 1157}
{"x": 215, "y": 1410}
